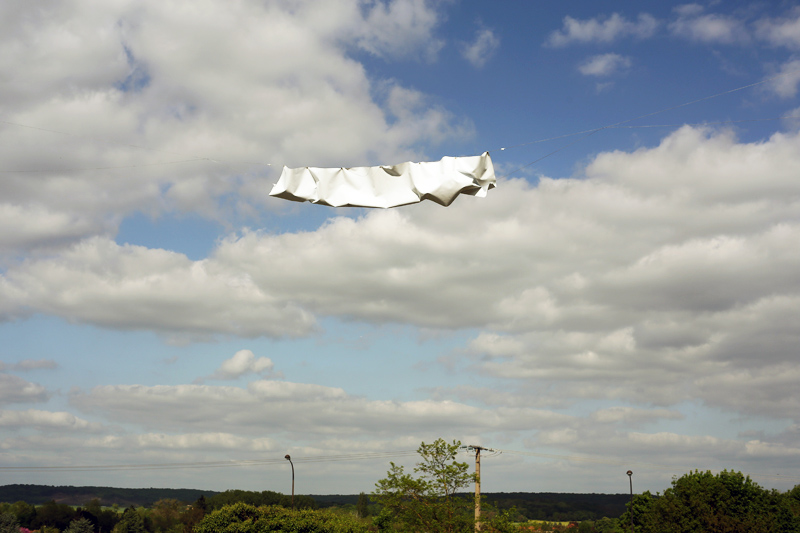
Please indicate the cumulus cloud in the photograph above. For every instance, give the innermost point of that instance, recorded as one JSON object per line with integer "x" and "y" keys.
{"x": 132, "y": 287}
{"x": 242, "y": 363}
{"x": 680, "y": 277}
{"x": 398, "y": 28}
{"x": 781, "y": 31}
{"x": 29, "y": 364}
{"x": 45, "y": 420}
{"x": 696, "y": 25}
{"x": 604, "y": 65}
{"x": 602, "y": 30}
{"x": 785, "y": 83}
{"x": 204, "y": 442}
{"x": 286, "y": 408}
{"x": 101, "y": 123}
{"x": 16, "y": 390}
{"x": 482, "y": 48}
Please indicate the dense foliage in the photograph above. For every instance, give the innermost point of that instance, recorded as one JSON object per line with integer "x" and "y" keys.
{"x": 245, "y": 518}
{"x": 165, "y": 516}
{"x": 560, "y": 506}
{"x": 429, "y": 501}
{"x": 258, "y": 499}
{"x": 39, "y": 494}
{"x": 728, "y": 502}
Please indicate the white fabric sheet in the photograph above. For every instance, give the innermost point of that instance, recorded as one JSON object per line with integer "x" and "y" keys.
{"x": 388, "y": 186}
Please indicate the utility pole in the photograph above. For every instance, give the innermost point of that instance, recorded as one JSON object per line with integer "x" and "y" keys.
{"x": 477, "y": 450}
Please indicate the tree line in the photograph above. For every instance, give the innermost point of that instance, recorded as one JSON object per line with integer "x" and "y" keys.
{"x": 427, "y": 499}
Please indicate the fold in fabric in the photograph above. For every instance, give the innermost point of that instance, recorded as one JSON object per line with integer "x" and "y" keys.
{"x": 388, "y": 186}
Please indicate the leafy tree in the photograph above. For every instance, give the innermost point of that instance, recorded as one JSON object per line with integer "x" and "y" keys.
{"x": 53, "y": 514}
{"x": 131, "y": 522}
{"x": 103, "y": 520}
{"x": 640, "y": 508}
{"x": 427, "y": 502}
{"x": 607, "y": 525}
{"x": 166, "y": 515}
{"x": 728, "y": 502}
{"x": 192, "y": 516}
{"x": 80, "y": 525}
{"x": 201, "y": 503}
{"x": 244, "y": 518}
{"x": 362, "y": 507}
{"x": 25, "y": 513}
{"x": 430, "y": 501}
{"x": 793, "y": 500}
{"x": 9, "y": 523}
{"x": 254, "y": 498}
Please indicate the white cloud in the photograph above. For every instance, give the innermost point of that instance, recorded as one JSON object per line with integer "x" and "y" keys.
{"x": 29, "y": 364}
{"x": 680, "y": 266}
{"x": 604, "y": 65}
{"x": 482, "y": 49}
{"x": 692, "y": 23}
{"x": 203, "y": 442}
{"x": 128, "y": 105}
{"x": 782, "y": 31}
{"x": 45, "y": 420}
{"x": 242, "y": 363}
{"x": 787, "y": 80}
{"x": 614, "y": 415}
{"x": 132, "y": 287}
{"x": 399, "y": 28}
{"x": 602, "y": 30}
{"x": 304, "y": 412}
{"x": 16, "y": 390}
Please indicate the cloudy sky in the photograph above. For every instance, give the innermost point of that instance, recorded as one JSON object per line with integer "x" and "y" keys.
{"x": 626, "y": 298}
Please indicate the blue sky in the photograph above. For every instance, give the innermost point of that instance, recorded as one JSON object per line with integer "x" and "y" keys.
{"x": 622, "y": 300}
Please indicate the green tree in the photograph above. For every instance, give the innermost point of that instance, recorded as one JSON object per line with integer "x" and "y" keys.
{"x": 607, "y": 525}
{"x": 166, "y": 516}
{"x": 9, "y": 523}
{"x": 25, "y": 513}
{"x": 192, "y": 516}
{"x": 57, "y": 515}
{"x": 362, "y": 507}
{"x": 80, "y": 525}
{"x": 427, "y": 502}
{"x": 256, "y": 499}
{"x": 244, "y": 518}
{"x": 131, "y": 522}
{"x": 728, "y": 502}
{"x": 640, "y": 508}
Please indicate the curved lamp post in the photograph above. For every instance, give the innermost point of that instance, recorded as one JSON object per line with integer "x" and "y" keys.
{"x": 630, "y": 478}
{"x": 288, "y": 458}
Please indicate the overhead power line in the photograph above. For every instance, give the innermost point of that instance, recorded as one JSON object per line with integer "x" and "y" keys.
{"x": 364, "y": 456}
{"x": 590, "y": 132}
{"x": 211, "y": 464}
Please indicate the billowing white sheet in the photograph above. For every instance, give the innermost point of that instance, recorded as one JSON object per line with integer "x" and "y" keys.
{"x": 388, "y": 186}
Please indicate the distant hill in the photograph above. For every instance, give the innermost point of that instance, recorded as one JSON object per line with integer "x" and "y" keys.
{"x": 551, "y": 506}
{"x": 108, "y": 496}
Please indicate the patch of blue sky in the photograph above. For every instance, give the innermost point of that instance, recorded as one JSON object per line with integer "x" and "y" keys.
{"x": 519, "y": 103}
{"x": 189, "y": 234}
{"x": 377, "y": 362}
{"x": 138, "y": 77}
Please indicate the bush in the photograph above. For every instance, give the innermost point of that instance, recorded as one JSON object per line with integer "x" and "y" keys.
{"x": 244, "y": 518}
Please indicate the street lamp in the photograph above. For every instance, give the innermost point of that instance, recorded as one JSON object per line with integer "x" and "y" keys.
{"x": 288, "y": 458}
{"x": 630, "y": 511}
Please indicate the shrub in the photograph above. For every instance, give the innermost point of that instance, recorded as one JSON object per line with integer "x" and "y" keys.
{"x": 244, "y": 518}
